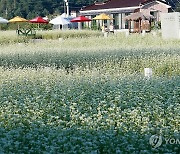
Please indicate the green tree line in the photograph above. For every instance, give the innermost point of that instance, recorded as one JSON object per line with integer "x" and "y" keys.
{"x": 32, "y": 8}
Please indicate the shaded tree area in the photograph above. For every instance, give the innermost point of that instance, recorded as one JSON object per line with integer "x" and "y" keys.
{"x": 178, "y": 7}
{"x": 31, "y": 8}
{"x": 173, "y": 3}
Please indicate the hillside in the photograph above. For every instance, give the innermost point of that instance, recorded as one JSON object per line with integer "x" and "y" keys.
{"x": 173, "y": 3}
{"x": 32, "y": 8}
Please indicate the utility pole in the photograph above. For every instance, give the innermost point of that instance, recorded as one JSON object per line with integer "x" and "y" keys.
{"x": 6, "y": 12}
{"x": 64, "y": 6}
{"x": 67, "y": 7}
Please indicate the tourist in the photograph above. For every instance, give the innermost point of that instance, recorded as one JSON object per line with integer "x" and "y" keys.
{"x": 111, "y": 28}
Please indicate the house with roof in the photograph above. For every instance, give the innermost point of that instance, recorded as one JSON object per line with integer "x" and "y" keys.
{"x": 119, "y": 9}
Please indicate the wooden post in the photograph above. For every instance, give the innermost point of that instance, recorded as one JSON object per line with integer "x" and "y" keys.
{"x": 129, "y": 25}
{"x": 139, "y": 25}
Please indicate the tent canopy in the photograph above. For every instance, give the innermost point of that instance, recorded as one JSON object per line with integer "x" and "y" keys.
{"x": 139, "y": 16}
{"x": 59, "y": 20}
{"x": 67, "y": 18}
{"x": 3, "y": 21}
{"x": 64, "y": 15}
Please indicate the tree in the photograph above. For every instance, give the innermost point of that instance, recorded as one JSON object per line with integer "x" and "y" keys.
{"x": 28, "y": 8}
{"x": 178, "y": 7}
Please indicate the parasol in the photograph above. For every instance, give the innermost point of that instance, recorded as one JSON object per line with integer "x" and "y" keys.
{"x": 103, "y": 16}
{"x": 80, "y": 19}
{"x": 139, "y": 16}
{"x": 39, "y": 20}
{"x": 17, "y": 19}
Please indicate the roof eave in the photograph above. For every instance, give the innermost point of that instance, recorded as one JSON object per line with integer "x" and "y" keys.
{"x": 125, "y": 9}
{"x": 167, "y": 6}
{"x": 147, "y": 3}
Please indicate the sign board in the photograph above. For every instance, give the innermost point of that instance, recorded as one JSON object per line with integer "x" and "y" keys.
{"x": 148, "y": 72}
{"x": 170, "y": 25}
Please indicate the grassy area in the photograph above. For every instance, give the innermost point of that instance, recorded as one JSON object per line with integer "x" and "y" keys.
{"x": 10, "y": 37}
{"x": 88, "y": 94}
{"x": 113, "y": 54}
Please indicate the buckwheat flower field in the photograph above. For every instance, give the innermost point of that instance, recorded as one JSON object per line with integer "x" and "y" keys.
{"x": 83, "y": 93}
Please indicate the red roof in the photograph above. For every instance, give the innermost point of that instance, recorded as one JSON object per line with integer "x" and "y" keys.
{"x": 114, "y": 4}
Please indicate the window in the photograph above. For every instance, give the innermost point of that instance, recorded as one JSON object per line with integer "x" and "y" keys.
{"x": 126, "y": 22}
{"x": 116, "y": 20}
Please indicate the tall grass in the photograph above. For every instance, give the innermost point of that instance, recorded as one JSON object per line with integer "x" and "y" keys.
{"x": 56, "y": 34}
{"x": 10, "y": 37}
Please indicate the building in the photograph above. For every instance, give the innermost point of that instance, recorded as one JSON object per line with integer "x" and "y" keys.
{"x": 119, "y": 9}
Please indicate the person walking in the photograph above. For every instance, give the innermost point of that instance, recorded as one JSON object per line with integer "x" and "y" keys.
{"x": 103, "y": 28}
{"x": 111, "y": 28}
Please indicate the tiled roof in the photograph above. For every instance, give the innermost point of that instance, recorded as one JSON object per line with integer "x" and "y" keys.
{"x": 114, "y": 4}
{"x": 110, "y": 4}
